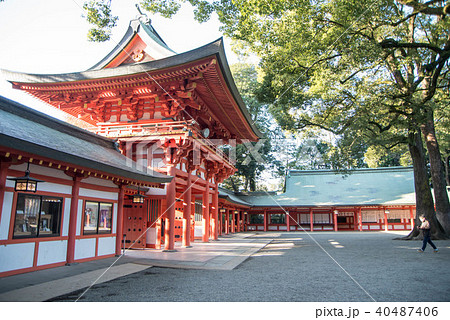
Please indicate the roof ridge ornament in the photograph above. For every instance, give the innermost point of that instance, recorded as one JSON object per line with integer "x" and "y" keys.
{"x": 142, "y": 16}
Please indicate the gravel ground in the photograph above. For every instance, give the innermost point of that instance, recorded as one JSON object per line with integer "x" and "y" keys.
{"x": 344, "y": 266}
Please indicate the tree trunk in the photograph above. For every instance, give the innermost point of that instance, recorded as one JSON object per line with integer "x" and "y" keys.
{"x": 424, "y": 200}
{"x": 437, "y": 173}
{"x": 447, "y": 170}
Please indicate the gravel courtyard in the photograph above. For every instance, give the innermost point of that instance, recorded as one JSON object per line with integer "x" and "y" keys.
{"x": 328, "y": 266}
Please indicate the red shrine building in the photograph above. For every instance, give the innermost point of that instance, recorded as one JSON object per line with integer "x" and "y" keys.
{"x": 146, "y": 173}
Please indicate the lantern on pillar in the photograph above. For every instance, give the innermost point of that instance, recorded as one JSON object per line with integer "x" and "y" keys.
{"x": 26, "y": 183}
{"x": 138, "y": 198}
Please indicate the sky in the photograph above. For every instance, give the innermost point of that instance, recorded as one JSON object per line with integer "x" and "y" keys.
{"x": 50, "y": 36}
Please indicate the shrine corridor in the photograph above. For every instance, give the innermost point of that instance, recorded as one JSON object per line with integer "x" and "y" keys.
{"x": 297, "y": 267}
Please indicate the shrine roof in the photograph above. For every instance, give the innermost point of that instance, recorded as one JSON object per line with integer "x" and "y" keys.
{"x": 156, "y": 46}
{"x": 27, "y": 130}
{"x": 361, "y": 187}
{"x": 231, "y": 197}
{"x": 218, "y": 80}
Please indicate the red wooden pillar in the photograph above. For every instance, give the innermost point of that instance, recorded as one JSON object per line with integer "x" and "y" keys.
{"x": 227, "y": 221}
{"x": 355, "y": 220}
{"x": 205, "y": 213}
{"x": 385, "y": 221}
{"x": 238, "y": 220}
{"x": 119, "y": 228}
{"x": 4, "y": 165}
{"x": 186, "y": 240}
{"x": 335, "y": 214}
{"x": 360, "y": 219}
{"x": 246, "y": 221}
{"x": 169, "y": 230}
{"x": 220, "y": 222}
{"x": 311, "y": 219}
{"x": 233, "y": 219}
{"x": 73, "y": 220}
{"x": 192, "y": 219}
{"x": 158, "y": 234}
{"x": 215, "y": 215}
{"x": 411, "y": 215}
{"x": 265, "y": 220}
{"x": 288, "y": 223}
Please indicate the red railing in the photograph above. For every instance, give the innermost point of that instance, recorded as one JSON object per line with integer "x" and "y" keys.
{"x": 160, "y": 128}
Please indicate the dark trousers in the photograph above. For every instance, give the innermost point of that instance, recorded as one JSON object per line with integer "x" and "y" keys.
{"x": 427, "y": 239}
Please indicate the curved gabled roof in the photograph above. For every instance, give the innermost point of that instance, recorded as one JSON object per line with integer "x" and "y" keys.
{"x": 216, "y": 88}
{"x": 155, "y": 47}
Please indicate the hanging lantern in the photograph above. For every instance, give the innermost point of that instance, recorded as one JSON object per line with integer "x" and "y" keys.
{"x": 222, "y": 210}
{"x": 138, "y": 198}
{"x": 26, "y": 183}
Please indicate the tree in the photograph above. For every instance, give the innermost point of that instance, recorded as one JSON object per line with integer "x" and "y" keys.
{"x": 248, "y": 167}
{"x": 368, "y": 71}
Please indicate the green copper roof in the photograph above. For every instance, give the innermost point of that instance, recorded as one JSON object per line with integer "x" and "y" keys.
{"x": 381, "y": 186}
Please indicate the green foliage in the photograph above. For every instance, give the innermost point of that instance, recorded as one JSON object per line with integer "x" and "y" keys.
{"x": 98, "y": 13}
{"x": 167, "y": 8}
{"x": 249, "y": 167}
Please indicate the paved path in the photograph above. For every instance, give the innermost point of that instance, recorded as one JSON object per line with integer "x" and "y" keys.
{"x": 225, "y": 254}
{"x": 328, "y": 266}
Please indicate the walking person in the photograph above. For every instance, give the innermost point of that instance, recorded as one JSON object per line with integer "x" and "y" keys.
{"x": 426, "y": 230}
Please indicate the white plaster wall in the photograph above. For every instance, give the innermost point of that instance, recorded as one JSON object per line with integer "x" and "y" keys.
{"x": 151, "y": 236}
{"x": 106, "y": 246}
{"x": 157, "y": 191}
{"x": 54, "y": 187}
{"x": 100, "y": 182}
{"x": 52, "y": 252}
{"x": 84, "y": 248}
{"x": 66, "y": 217}
{"x": 10, "y": 183}
{"x": 16, "y": 256}
{"x": 79, "y": 216}
{"x": 198, "y": 231}
{"x": 284, "y": 228}
{"x": 6, "y": 215}
{"x": 114, "y": 218}
{"x": 98, "y": 194}
{"x": 47, "y": 171}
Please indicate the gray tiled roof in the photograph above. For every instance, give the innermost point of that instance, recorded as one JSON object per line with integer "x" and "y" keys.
{"x": 24, "y": 129}
{"x": 231, "y": 197}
